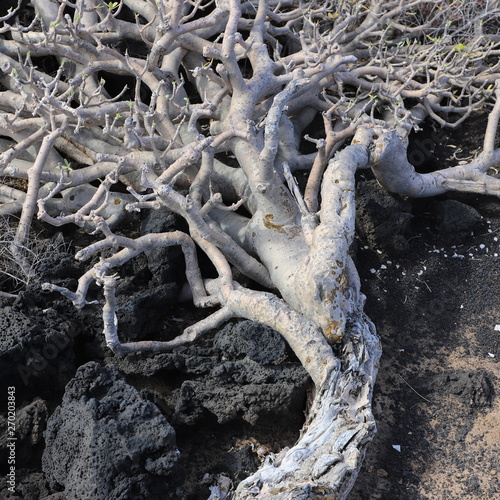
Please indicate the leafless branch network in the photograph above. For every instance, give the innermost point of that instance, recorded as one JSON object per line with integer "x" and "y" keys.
{"x": 202, "y": 107}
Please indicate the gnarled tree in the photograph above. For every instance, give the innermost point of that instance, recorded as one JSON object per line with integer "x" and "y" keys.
{"x": 213, "y": 127}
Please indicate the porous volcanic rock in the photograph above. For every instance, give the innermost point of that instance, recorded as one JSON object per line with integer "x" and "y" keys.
{"x": 243, "y": 372}
{"x": 382, "y": 219}
{"x": 36, "y": 353}
{"x": 106, "y": 441}
{"x": 456, "y": 220}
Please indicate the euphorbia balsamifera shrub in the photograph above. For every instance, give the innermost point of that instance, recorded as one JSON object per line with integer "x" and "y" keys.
{"x": 203, "y": 108}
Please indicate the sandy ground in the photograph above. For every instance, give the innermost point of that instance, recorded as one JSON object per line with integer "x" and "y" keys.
{"x": 436, "y": 399}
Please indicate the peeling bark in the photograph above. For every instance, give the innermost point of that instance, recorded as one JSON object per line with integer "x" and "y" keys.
{"x": 212, "y": 127}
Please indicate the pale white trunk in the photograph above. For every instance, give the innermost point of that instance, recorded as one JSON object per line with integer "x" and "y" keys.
{"x": 325, "y": 461}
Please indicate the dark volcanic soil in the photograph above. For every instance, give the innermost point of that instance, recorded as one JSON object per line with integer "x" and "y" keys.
{"x": 436, "y": 307}
{"x": 436, "y": 400}
{"x": 429, "y": 270}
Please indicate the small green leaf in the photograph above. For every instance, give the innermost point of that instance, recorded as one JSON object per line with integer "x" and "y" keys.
{"x": 435, "y": 40}
{"x": 66, "y": 166}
